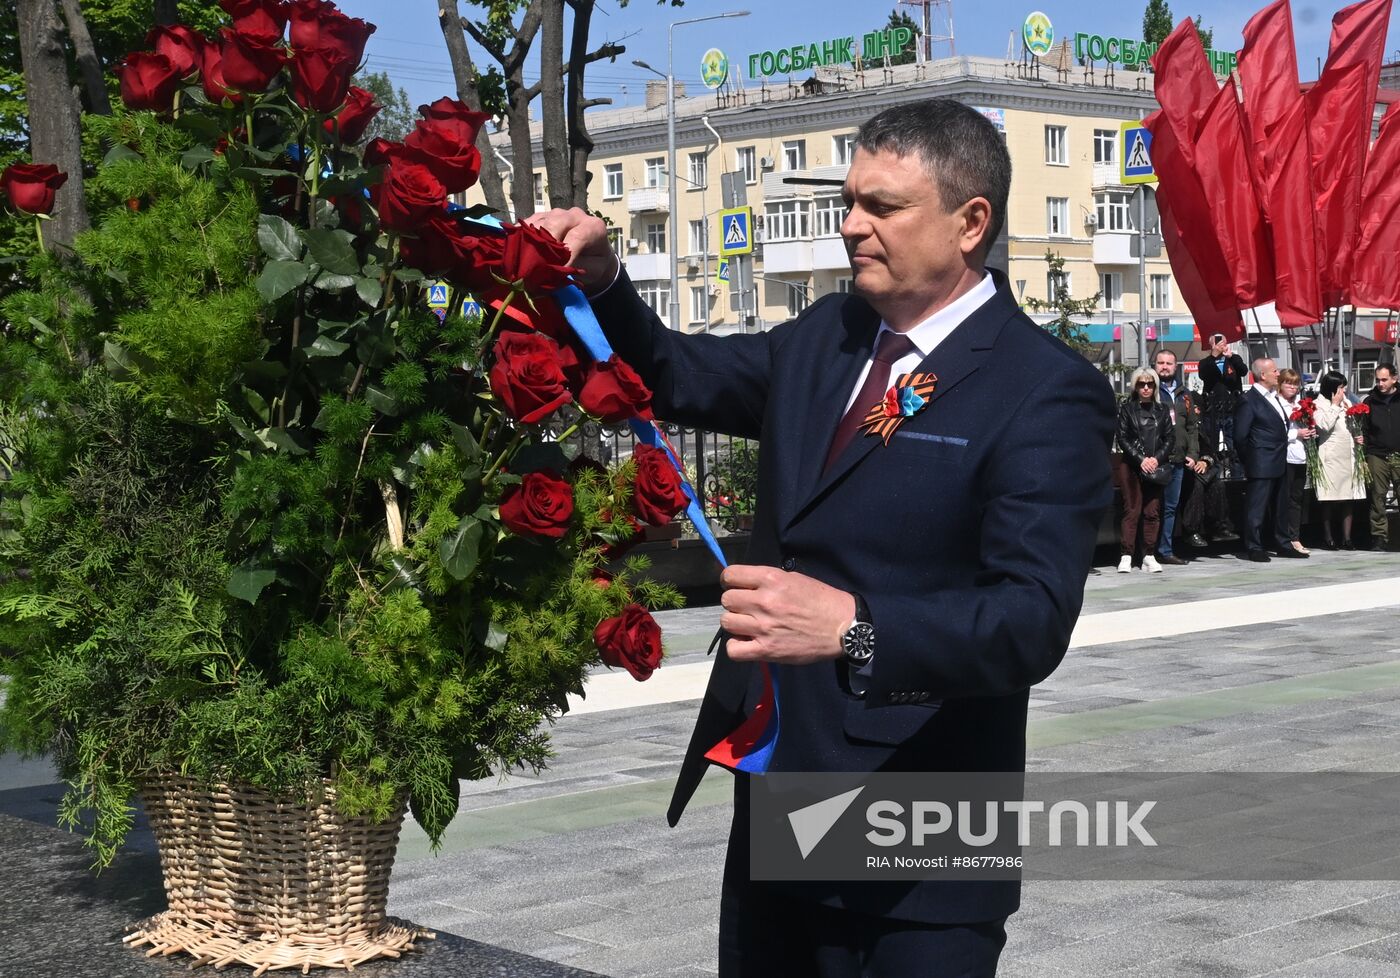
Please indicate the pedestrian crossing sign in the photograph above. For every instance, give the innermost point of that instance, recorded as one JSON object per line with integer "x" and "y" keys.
{"x": 438, "y": 296}
{"x": 723, "y": 272}
{"x": 736, "y": 231}
{"x": 1135, "y": 154}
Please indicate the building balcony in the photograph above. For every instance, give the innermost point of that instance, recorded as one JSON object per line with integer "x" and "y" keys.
{"x": 829, "y": 254}
{"x": 1106, "y": 175}
{"x": 786, "y": 256}
{"x": 1113, "y": 248}
{"x": 653, "y": 267}
{"x": 649, "y": 200}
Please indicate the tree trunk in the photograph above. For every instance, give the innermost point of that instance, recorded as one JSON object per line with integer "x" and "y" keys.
{"x": 464, "y": 75}
{"x": 558, "y": 175}
{"x": 94, "y": 85}
{"x": 167, "y": 12}
{"x": 580, "y": 142}
{"x": 522, "y": 183}
{"x": 54, "y": 132}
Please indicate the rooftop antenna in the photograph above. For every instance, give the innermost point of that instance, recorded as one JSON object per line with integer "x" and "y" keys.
{"x": 936, "y": 18}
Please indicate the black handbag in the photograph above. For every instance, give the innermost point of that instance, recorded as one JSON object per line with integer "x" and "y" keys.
{"x": 1159, "y": 476}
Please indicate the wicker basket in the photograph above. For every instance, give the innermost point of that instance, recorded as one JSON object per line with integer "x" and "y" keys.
{"x": 270, "y": 882}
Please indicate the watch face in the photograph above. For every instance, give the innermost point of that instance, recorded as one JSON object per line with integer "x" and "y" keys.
{"x": 859, "y": 642}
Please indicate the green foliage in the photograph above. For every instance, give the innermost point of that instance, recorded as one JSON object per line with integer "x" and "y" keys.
{"x": 1156, "y": 21}
{"x": 901, "y": 18}
{"x": 734, "y": 482}
{"x": 249, "y": 519}
{"x": 397, "y": 117}
{"x": 1063, "y": 327}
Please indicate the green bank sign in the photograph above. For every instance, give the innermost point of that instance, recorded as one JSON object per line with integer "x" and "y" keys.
{"x": 1130, "y": 53}
{"x": 838, "y": 50}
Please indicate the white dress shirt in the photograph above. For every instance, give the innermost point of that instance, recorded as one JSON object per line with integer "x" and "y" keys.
{"x": 928, "y": 334}
{"x": 1297, "y": 453}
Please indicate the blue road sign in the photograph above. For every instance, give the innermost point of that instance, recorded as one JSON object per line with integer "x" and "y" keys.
{"x": 723, "y": 270}
{"x": 735, "y": 227}
{"x": 437, "y": 296}
{"x": 1136, "y": 154}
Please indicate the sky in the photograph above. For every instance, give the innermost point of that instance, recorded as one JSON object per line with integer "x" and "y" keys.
{"x": 409, "y": 44}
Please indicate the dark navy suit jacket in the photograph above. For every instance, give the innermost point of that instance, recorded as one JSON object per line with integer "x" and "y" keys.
{"x": 969, "y": 536}
{"x": 1261, "y": 436}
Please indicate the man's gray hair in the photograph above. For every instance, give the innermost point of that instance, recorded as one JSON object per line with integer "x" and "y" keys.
{"x": 962, "y": 151}
{"x": 1257, "y": 366}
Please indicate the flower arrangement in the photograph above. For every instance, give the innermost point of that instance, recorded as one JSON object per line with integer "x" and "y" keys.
{"x": 1356, "y": 418}
{"x": 1305, "y": 416}
{"x": 272, "y": 520}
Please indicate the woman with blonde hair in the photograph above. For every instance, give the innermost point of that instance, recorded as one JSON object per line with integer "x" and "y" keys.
{"x": 1142, "y": 469}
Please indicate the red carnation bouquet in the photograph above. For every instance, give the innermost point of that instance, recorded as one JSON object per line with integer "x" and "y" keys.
{"x": 1357, "y": 416}
{"x": 1305, "y": 416}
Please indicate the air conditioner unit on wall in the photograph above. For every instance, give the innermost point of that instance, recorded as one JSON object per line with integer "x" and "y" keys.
{"x": 633, "y": 244}
{"x": 766, "y": 162}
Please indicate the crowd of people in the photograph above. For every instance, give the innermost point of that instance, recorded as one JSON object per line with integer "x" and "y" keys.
{"x": 1177, "y": 449}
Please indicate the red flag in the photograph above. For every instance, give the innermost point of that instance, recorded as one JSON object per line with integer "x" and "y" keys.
{"x": 1222, "y": 166}
{"x": 1339, "y": 127}
{"x": 1268, "y": 70}
{"x": 1376, "y": 273}
{"x": 1183, "y": 82}
{"x": 1291, "y": 220}
{"x": 1358, "y": 38}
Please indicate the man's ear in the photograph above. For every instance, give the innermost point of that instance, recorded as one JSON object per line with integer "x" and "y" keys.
{"x": 976, "y": 217}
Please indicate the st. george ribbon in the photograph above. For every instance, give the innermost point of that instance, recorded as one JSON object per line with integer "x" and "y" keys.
{"x": 750, "y": 747}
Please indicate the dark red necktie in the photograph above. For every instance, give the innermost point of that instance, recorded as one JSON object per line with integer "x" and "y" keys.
{"x": 890, "y": 347}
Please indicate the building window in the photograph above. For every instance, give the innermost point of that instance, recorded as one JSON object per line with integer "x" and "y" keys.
{"x": 699, "y": 171}
{"x": 699, "y": 237}
{"x": 698, "y": 312}
{"x": 1160, "y": 291}
{"x": 1057, "y": 216}
{"x": 656, "y": 238}
{"x": 616, "y": 243}
{"x": 1111, "y": 211}
{"x": 1105, "y": 146}
{"x": 787, "y": 220}
{"x": 612, "y": 181}
{"x": 746, "y": 162}
{"x": 1055, "y": 151}
{"x": 1054, "y": 282}
{"x": 795, "y": 154}
{"x": 843, "y": 147}
{"x": 656, "y": 171}
{"x": 1366, "y": 374}
{"x": 797, "y": 299}
{"x": 657, "y": 295}
{"x": 845, "y": 285}
{"x": 1111, "y": 286}
{"x": 539, "y": 189}
{"x": 830, "y": 211}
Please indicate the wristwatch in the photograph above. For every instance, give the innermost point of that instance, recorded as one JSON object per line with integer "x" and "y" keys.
{"x": 858, "y": 640}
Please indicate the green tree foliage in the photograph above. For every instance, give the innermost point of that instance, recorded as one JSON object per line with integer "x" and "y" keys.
{"x": 1156, "y": 21}
{"x": 910, "y": 54}
{"x": 397, "y": 117}
{"x": 1065, "y": 307}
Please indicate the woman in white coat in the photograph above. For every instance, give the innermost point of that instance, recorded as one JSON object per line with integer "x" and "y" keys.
{"x": 1336, "y": 449}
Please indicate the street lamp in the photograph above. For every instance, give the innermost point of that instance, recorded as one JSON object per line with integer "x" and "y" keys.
{"x": 672, "y": 222}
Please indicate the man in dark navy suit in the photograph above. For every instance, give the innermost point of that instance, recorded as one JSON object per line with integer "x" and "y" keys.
{"x": 957, "y": 552}
{"x": 1261, "y": 441}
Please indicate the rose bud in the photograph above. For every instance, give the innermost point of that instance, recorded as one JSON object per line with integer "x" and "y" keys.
{"x": 657, "y": 494}
{"x": 148, "y": 81}
{"x": 527, "y": 376}
{"x": 257, "y": 16}
{"x": 181, "y": 44}
{"x": 409, "y": 196}
{"x": 631, "y": 641}
{"x": 32, "y": 187}
{"x": 251, "y": 61}
{"x": 352, "y": 121}
{"x": 612, "y": 392}
{"x": 540, "y": 506}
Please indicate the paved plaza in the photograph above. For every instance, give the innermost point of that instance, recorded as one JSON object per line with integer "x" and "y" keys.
{"x": 1218, "y": 666}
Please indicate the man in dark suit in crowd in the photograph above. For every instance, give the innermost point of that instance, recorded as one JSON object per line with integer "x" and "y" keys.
{"x": 908, "y": 593}
{"x": 1261, "y": 440}
{"x": 1222, "y": 384}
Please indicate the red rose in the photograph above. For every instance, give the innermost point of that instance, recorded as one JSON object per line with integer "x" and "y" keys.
{"x": 527, "y": 376}
{"x": 321, "y": 78}
{"x": 148, "y": 81}
{"x": 441, "y": 247}
{"x": 613, "y": 392}
{"x": 631, "y": 641}
{"x": 251, "y": 61}
{"x": 451, "y": 108}
{"x": 381, "y": 151}
{"x": 540, "y": 506}
{"x": 211, "y": 75}
{"x": 257, "y": 16}
{"x": 536, "y": 258}
{"x": 447, "y": 147}
{"x": 352, "y": 121}
{"x": 657, "y": 494}
{"x": 180, "y": 44}
{"x": 319, "y": 24}
{"x": 32, "y": 187}
{"x": 409, "y": 196}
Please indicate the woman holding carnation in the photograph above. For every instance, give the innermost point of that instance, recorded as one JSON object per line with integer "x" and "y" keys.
{"x": 1334, "y": 446}
{"x": 1296, "y": 472}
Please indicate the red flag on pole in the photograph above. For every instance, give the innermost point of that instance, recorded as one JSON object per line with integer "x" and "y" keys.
{"x": 1358, "y": 38}
{"x": 1222, "y": 166}
{"x": 1339, "y": 127}
{"x": 1268, "y": 70}
{"x": 1376, "y": 273}
{"x": 1292, "y": 222}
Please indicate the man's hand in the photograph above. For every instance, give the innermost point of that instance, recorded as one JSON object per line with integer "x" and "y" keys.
{"x": 778, "y": 616}
{"x": 586, "y": 237}
{"x": 1149, "y": 465}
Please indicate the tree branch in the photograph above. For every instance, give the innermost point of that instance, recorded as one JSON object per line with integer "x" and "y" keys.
{"x": 464, "y": 75}
{"x": 492, "y": 48}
